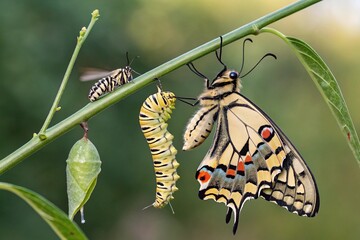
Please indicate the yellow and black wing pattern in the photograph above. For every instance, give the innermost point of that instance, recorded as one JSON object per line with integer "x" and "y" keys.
{"x": 154, "y": 114}
{"x": 250, "y": 156}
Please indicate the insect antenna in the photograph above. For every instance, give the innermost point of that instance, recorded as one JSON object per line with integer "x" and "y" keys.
{"x": 266, "y": 55}
{"x": 136, "y": 72}
{"x": 130, "y": 62}
{"x": 127, "y": 58}
{"x": 219, "y": 55}
{"x": 243, "y": 53}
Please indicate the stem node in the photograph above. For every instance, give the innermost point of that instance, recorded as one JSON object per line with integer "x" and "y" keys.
{"x": 42, "y": 136}
{"x": 255, "y": 29}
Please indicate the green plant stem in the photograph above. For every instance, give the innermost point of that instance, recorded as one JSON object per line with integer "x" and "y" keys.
{"x": 80, "y": 40}
{"x": 93, "y": 108}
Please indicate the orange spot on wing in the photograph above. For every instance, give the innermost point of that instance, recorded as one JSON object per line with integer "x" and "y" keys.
{"x": 204, "y": 176}
{"x": 241, "y": 166}
{"x": 349, "y": 136}
{"x": 248, "y": 159}
{"x": 230, "y": 172}
{"x": 266, "y": 133}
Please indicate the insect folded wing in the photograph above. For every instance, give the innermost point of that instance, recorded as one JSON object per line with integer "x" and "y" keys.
{"x": 199, "y": 128}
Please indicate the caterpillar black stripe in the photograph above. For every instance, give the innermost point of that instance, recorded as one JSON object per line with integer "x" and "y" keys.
{"x": 154, "y": 114}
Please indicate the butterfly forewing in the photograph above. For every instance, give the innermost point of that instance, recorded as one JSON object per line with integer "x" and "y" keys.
{"x": 91, "y": 74}
{"x": 199, "y": 127}
{"x": 108, "y": 83}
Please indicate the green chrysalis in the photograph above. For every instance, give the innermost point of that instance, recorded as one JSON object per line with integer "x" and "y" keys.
{"x": 83, "y": 167}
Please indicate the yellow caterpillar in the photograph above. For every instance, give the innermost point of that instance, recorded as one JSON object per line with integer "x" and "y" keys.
{"x": 153, "y": 116}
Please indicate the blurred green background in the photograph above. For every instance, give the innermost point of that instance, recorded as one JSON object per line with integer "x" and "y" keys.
{"x": 36, "y": 42}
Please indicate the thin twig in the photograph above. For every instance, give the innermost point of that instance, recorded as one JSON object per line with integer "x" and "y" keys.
{"x": 55, "y": 106}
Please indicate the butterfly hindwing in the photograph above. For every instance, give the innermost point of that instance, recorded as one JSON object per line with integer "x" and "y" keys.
{"x": 295, "y": 187}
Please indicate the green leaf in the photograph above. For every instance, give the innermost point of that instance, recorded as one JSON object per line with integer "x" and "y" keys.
{"x": 57, "y": 219}
{"x": 82, "y": 170}
{"x": 327, "y": 85}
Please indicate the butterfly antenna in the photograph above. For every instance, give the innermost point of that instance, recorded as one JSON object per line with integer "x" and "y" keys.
{"x": 219, "y": 55}
{"x": 243, "y": 53}
{"x": 130, "y": 62}
{"x": 136, "y": 72}
{"x": 266, "y": 55}
{"x": 127, "y": 58}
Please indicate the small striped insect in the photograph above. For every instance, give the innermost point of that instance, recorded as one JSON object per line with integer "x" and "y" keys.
{"x": 109, "y": 80}
{"x": 250, "y": 155}
{"x": 154, "y": 114}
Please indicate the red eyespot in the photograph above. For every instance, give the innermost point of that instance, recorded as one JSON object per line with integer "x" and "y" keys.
{"x": 266, "y": 132}
{"x": 204, "y": 176}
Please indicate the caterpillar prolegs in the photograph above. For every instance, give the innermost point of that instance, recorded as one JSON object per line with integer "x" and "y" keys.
{"x": 154, "y": 114}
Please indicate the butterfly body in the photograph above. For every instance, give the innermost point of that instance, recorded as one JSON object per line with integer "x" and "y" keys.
{"x": 108, "y": 83}
{"x": 250, "y": 156}
{"x": 200, "y": 126}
